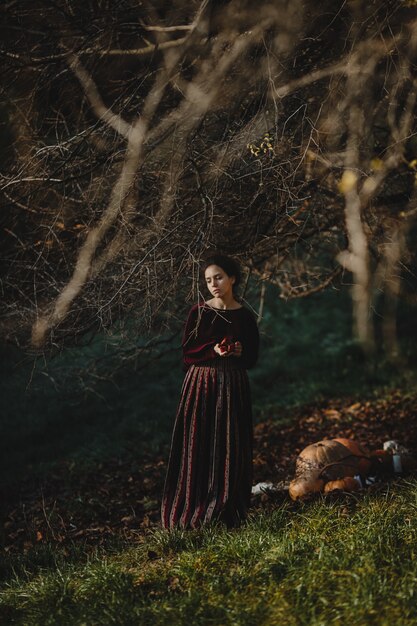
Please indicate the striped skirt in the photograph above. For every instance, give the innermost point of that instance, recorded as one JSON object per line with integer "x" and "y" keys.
{"x": 209, "y": 475}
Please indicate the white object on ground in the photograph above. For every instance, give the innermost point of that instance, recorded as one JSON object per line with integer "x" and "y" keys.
{"x": 262, "y": 488}
{"x": 397, "y": 451}
{"x": 397, "y": 464}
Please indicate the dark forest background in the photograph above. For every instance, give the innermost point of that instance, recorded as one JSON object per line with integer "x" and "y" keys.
{"x": 135, "y": 138}
{"x": 88, "y": 403}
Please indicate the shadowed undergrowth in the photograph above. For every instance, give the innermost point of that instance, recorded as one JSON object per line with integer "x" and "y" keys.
{"x": 88, "y": 404}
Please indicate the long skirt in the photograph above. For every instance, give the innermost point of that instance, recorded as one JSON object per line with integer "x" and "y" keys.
{"x": 209, "y": 475}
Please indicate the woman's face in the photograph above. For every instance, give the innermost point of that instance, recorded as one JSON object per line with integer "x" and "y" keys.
{"x": 218, "y": 282}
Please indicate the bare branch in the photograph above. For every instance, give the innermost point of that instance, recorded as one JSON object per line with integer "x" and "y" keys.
{"x": 133, "y": 157}
{"x": 116, "y": 122}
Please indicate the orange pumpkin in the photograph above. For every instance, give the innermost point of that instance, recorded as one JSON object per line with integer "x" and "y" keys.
{"x": 331, "y": 457}
{"x": 383, "y": 461}
{"x": 359, "y": 451}
{"x": 382, "y": 454}
{"x": 344, "y": 484}
{"x": 319, "y": 455}
{"x": 346, "y": 467}
{"x": 307, "y": 485}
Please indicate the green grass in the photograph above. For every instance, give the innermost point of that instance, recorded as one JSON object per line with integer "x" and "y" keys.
{"x": 326, "y": 563}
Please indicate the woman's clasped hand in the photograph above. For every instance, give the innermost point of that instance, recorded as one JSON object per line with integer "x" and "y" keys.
{"x": 226, "y": 347}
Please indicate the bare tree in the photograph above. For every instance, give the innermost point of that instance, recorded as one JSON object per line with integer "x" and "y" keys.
{"x": 141, "y": 135}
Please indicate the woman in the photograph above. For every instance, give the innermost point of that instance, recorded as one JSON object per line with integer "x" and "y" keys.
{"x": 209, "y": 474}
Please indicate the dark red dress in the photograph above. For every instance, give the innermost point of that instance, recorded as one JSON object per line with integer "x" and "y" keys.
{"x": 209, "y": 474}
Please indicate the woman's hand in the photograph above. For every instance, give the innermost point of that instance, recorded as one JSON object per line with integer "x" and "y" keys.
{"x": 235, "y": 349}
{"x": 218, "y": 349}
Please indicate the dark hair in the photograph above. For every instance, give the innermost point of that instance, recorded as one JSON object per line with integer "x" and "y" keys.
{"x": 228, "y": 265}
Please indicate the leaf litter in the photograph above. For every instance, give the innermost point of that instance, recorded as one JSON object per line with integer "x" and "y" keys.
{"x": 120, "y": 497}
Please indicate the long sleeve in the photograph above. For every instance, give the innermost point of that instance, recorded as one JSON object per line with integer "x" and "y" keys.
{"x": 197, "y": 344}
{"x": 206, "y": 326}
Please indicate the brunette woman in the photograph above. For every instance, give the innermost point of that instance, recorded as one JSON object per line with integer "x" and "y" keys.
{"x": 209, "y": 474}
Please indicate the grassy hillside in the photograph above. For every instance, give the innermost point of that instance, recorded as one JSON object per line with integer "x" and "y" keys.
{"x": 349, "y": 561}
